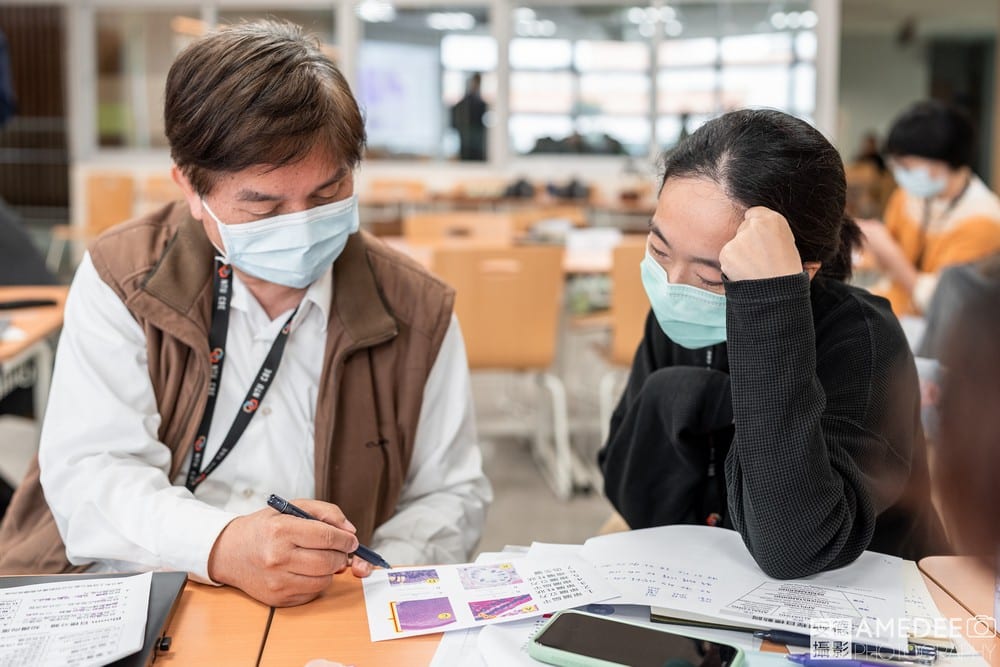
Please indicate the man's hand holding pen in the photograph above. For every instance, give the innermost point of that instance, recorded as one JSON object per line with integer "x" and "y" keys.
{"x": 282, "y": 560}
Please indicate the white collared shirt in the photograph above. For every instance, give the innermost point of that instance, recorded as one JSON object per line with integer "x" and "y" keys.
{"x": 104, "y": 472}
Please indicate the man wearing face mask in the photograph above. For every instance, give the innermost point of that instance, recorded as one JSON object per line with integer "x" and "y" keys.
{"x": 249, "y": 340}
{"x": 941, "y": 214}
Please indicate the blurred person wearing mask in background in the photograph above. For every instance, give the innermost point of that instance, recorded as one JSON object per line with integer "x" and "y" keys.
{"x": 941, "y": 214}
{"x": 160, "y": 447}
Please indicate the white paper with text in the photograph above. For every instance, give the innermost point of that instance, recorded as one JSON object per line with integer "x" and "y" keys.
{"x": 78, "y": 623}
{"x": 403, "y": 602}
{"x": 706, "y": 574}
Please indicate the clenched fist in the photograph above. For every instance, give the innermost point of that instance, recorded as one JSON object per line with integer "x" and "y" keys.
{"x": 762, "y": 248}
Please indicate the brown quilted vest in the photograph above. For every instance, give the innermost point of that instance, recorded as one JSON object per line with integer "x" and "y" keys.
{"x": 386, "y": 324}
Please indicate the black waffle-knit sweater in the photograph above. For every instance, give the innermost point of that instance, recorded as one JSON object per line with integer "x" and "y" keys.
{"x": 801, "y": 431}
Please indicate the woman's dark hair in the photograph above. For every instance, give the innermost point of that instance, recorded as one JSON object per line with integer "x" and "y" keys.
{"x": 935, "y": 131}
{"x": 768, "y": 158}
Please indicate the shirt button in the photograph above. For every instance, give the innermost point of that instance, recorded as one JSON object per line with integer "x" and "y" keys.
{"x": 266, "y": 410}
{"x": 248, "y": 493}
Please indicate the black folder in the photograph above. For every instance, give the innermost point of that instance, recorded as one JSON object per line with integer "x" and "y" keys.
{"x": 164, "y": 594}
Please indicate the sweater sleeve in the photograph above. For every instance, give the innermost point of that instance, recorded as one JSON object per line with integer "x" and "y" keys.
{"x": 822, "y": 443}
{"x": 644, "y": 362}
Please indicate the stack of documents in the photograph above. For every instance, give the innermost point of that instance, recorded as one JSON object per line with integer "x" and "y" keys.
{"x": 700, "y": 580}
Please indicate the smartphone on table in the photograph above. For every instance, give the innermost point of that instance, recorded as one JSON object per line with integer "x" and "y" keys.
{"x": 578, "y": 639}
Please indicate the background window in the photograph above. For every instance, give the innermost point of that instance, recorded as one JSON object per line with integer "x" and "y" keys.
{"x": 580, "y": 80}
{"x": 135, "y": 49}
{"x": 414, "y": 67}
{"x": 719, "y": 57}
{"x": 319, "y": 22}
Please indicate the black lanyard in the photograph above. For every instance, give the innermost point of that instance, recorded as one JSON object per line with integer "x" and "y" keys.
{"x": 223, "y": 282}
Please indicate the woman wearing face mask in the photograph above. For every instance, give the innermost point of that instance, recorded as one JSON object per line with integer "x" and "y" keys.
{"x": 942, "y": 213}
{"x": 767, "y": 395}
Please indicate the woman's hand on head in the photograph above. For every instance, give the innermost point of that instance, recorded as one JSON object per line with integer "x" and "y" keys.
{"x": 763, "y": 247}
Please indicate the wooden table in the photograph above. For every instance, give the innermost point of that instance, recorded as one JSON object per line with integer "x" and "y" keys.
{"x": 216, "y": 626}
{"x": 28, "y": 361}
{"x": 335, "y": 627}
{"x": 965, "y": 580}
{"x": 986, "y": 643}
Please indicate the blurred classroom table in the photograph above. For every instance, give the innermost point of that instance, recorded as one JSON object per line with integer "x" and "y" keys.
{"x": 25, "y": 354}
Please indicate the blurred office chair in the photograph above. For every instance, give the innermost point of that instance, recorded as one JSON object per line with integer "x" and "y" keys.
{"x": 110, "y": 199}
{"x": 434, "y": 227}
{"x": 157, "y": 190}
{"x": 384, "y": 202}
{"x": 527, "y": 217}
{"x": 395, "y": 191}
{"x": 629, "y": 306}
{"x": 508, "y": 302}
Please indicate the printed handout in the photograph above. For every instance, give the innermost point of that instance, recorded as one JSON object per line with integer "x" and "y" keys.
{"x": 403, "y": 602}
{"x": 77, "y": 623}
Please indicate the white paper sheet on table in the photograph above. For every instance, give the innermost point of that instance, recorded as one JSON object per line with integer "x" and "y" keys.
{"x": 921, "y": 609}
{"x": 460, "y": 647}
{"x": 706, "y": 574}
{"x": 403, "y": 602}
{"x": 76, "y": 623}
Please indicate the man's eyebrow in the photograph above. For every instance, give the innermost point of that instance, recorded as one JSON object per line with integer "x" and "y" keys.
{"x": 339, "y": 176}
{"x": 254, "y": 196}
{"x": 705, "y": 261}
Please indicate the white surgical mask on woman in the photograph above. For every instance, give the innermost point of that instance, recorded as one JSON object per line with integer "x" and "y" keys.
{"x": 919, "y": 182}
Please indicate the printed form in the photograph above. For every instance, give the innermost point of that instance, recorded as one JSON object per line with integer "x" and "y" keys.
{"x": 403, "y": 602}
{"x": 78, "y": 623}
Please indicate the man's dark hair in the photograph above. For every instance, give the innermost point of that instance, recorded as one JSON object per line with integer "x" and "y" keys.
{"x": 261, "y": 93}
{"x": 933, "y": 130}
{"x": 768, "y": 158}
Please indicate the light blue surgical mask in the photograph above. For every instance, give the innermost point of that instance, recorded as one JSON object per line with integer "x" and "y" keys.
{"x": 293, "y": 249}
{"x": 919, "y": 182}
{"x": 691, "y": 317}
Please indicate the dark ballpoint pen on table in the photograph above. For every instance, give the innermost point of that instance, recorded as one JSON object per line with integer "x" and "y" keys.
{"x": 362, "y": 552}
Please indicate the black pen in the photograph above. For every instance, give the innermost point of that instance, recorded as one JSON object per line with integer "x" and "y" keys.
{"x": 363, "y": 552}
{"x": 916, "y": 652}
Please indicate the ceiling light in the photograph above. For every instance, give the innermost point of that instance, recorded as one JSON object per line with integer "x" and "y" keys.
{"x": 524, "y": 14}
{"x": 451, "y": 21}
{"x": 376, "y": 11}
{"x": 635, "y": 15}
